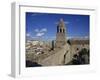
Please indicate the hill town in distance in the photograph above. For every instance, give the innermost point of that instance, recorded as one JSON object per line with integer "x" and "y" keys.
{"x": 52, "y": 46}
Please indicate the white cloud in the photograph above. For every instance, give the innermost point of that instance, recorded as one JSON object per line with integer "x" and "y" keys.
{"x": 86, "y": 37}
{"x": 40, "y": 34}
{"x": 27, "y": 34}
{"x": 36, "y": 30}
{"x": 43, "y": 30}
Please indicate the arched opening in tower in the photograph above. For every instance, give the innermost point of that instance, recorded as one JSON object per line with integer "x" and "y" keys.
{"x": 60, "y": 30}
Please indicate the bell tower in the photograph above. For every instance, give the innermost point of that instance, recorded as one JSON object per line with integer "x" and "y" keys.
{"x": 61, "y": 34}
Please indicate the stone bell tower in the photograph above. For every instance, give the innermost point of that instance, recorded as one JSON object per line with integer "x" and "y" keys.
{"x": 61, "y": 34}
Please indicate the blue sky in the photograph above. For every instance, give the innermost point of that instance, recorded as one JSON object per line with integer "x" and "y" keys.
{"x": 43, "y": 25}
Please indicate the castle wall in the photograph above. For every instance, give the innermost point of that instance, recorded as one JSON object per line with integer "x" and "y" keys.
{"x": 58, "y": 57}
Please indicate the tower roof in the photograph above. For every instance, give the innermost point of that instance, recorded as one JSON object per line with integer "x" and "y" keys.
{"x": 61, "y": 23}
